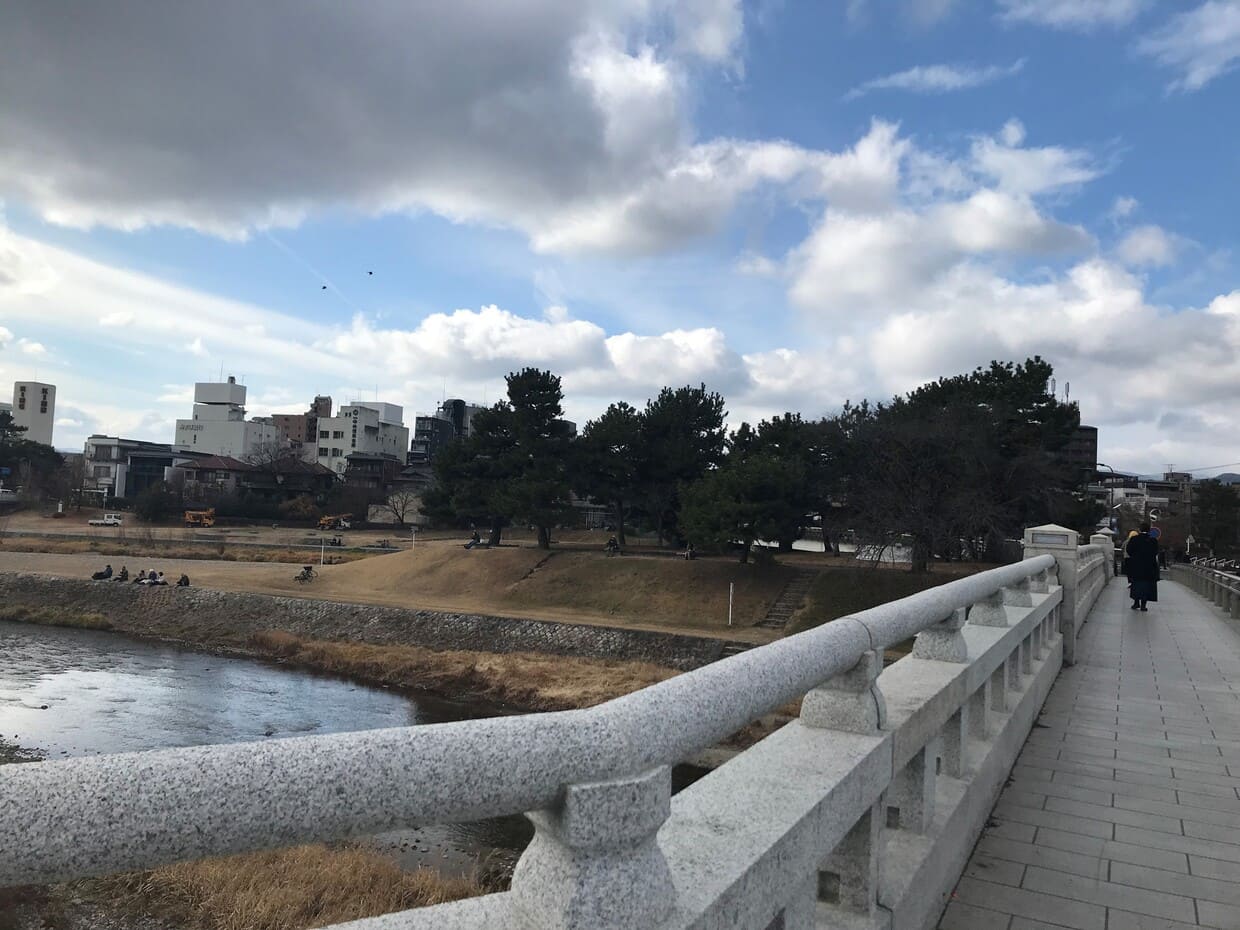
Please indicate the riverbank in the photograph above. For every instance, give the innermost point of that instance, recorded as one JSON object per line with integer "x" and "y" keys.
{"x": 639, "y": 593}
{"x": 526, "y": 681}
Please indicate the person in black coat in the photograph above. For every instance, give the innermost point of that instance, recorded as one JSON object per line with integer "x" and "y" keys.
{"x": 1142, "y": 552}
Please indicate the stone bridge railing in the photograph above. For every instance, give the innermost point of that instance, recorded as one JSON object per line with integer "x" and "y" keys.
{"x": 861, "y": 813}
{"x": 1223, "y": 588}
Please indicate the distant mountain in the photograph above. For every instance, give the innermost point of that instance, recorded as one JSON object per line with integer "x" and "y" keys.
{"x": 1228, "y": 477}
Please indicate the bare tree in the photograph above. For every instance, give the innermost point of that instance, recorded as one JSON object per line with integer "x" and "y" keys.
{"x": 403, "y": 504}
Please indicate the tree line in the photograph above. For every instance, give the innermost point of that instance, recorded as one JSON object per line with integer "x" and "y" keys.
{"x": 951, "y": 468}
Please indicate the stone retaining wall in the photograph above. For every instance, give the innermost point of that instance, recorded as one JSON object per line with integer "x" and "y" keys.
{"x": 198, "y": 613}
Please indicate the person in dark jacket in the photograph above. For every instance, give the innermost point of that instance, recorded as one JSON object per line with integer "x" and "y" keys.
{"x": 1142, "y": 552}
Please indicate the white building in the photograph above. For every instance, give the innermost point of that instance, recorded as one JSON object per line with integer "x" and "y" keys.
{"x": 34, "y": 407}
{"x": 219, "y": 426}
{"x": 373, "y": 428}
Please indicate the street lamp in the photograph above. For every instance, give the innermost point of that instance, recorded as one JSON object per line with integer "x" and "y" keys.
{"x": 1110, "y": 487}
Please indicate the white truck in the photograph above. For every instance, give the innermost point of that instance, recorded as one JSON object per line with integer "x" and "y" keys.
{"x": 108, "y": 519}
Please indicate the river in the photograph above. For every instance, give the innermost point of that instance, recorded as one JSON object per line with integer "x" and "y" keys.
{"x": 70, "y": 692}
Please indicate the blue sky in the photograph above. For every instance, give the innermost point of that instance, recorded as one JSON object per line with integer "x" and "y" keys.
{"x": 796, "y": 203}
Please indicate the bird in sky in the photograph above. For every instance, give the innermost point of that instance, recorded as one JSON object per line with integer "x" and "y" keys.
{"x": 324, "y": 287}
{"x": 370, "y": 272}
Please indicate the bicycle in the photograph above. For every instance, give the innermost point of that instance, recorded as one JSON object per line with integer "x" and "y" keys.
{"x": 306, "y": 574}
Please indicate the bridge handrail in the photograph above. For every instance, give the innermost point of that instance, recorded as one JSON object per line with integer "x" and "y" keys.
{"x": 1223, "y": 588}
{"x": 88, "y": 816}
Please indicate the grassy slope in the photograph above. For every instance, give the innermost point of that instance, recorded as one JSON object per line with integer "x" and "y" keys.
{"x": 838, "y": 592}
{"x": 651, "y": 591}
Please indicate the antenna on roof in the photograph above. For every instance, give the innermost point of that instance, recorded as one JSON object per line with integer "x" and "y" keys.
{"x": 1067, "y": 390}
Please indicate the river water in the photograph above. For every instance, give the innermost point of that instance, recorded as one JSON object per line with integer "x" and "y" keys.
{"x": 69, "y": 692}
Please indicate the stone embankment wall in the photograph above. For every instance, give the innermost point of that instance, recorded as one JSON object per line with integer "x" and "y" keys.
{"x": 201, "y": 615}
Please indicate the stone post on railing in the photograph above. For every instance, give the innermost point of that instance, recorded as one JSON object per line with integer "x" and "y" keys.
{"x": 1060, "y": 542}
{"x": 594, "y": 863}
{"x": 1107, "y": 543}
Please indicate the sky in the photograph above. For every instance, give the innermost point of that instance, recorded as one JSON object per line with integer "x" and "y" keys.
{"x": 795, "y": 203}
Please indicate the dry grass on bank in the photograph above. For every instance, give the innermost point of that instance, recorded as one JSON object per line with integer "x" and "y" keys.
{"x": 664, "y": 591}
{"x": 154, "y": 549}
{"x": 56, "y": 616}
{"x": 532, "y": 681}
{"x": 287, "y": 889}
{"x": 838, "y": 592}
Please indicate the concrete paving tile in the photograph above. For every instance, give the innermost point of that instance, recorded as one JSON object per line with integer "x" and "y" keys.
{"x": 1047, "y": 857}
{"x": 1176, "y": 883}
{"x": 1186, "y": 844}
{"x": 1115, "y": 815}
{"x": 1109, "y": 894}
{"x": 1057, "y": 789}
{"x": 1114, "y": 850}
{"x": 1023, "y": 796}
{"x": 1064, "y": 912}
{"x": 1180, "y": 811}
{"x": 1064, "y": 822}
{"x": 1110, "y": 786}
{"x": 1214, "y": 868}
{"x": 1223, "y": 833}
{"x": 992, "y": 869}
{"x": 1126, "y": 920}
{"x": 1214, "y": 802}
{"x": 960, "y": 916}
{"x": 1011, "y": 830}
{"x": 1223, "y": 916}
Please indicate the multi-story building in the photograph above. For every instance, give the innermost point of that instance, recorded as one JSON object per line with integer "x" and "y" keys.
{"x": 1081, "y": 454}
{"x": 370, "y": 427}
{"x": 219, "y": 426}
{"x": 115, "y": 467}
{"x": 34, "y": 407}
{"x": 432, "y": 432}
{"x": 302, "y": 429}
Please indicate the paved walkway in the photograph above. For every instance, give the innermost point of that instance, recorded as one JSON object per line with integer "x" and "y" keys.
{"x": 1123, "y": 811}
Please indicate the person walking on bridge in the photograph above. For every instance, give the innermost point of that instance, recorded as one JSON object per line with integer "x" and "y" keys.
{"x": 1142, "y": 551}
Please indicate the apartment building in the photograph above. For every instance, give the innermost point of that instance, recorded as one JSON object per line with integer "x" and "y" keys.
{"x": 372, "y": 428}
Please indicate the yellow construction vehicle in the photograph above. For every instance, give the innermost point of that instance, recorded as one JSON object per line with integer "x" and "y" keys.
{"x": 200, "y": 517}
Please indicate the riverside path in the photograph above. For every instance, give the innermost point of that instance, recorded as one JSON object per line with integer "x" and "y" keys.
{"x": 1123, "y": 809}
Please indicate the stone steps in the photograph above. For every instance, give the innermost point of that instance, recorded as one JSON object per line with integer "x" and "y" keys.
{"x": 790, "y": 600}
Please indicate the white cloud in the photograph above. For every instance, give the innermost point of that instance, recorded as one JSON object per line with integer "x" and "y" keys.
{"x": 197, "y": 348}
{"x": 1123, "y": 207}
{"x": 1202, "y": 44}
{"x": 1148, "y": 246}
{"x": 938, "y": 79}
{"x": 118, "y": 318}
{"x": 30, "y": 347}
{"x": 557, "y": 118}
{"x": 1030, "y": 170}
{"x": 1072, "y": 14}
{"x": 758, "y": 265}
{"x": 6, "y": 336}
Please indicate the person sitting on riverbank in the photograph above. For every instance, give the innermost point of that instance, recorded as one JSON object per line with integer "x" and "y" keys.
{"x": 612, "y": 546}
{"x": 474, "y": 541}
{"x": 183, "y": 581}
{"x": 123, "y": 576}
{"x": 141, "y": 579}
{"x": 103, "y": 575}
